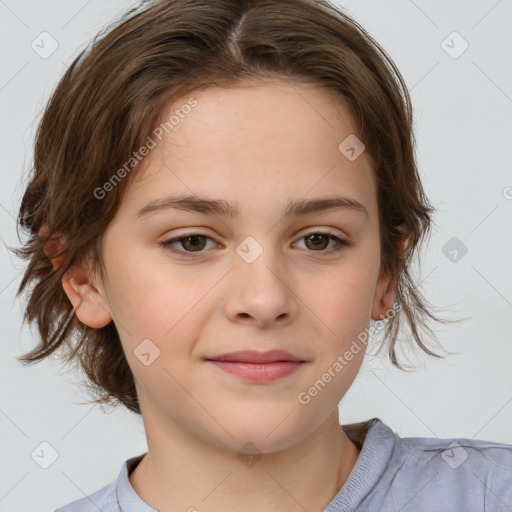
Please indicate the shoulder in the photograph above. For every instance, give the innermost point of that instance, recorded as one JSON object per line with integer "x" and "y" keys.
{"x": 454, "y": 472}
{"x": 104, "y": 499}
{"x": 452, "y": 454}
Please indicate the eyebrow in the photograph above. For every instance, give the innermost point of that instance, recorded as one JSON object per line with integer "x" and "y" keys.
{"x": 225, "y": 208}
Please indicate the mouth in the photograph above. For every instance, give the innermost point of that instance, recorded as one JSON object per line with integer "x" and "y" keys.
{"x": 258, "y": 367}
{"x": 255, "y": 356}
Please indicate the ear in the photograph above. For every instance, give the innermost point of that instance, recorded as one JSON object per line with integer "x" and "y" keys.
{"x": 89, "y": 303}
{"x": 385, "y": 289}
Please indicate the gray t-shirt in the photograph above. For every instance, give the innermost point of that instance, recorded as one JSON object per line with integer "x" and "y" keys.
{"x": 412, "y": 474}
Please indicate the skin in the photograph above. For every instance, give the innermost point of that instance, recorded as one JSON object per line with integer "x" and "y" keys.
{"x": 261, "y": 146}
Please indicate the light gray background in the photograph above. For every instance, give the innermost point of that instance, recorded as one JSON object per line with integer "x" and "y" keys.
{"x": 463, "y": 119}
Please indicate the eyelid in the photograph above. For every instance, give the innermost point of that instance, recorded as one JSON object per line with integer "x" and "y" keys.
{"x": 341, "y": 241}
{"x": 168, "y": 242}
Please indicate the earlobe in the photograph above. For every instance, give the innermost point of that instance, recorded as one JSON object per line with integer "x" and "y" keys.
{"x": 89, "y": 305}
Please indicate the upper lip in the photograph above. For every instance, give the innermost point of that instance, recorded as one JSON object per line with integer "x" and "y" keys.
{"x": 255, "y": 356}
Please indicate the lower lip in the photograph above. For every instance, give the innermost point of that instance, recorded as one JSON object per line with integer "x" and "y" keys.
{"x": 258, "y": 372}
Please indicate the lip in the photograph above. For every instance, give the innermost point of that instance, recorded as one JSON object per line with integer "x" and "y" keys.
{"x": 258, "y": 367}
{"x": 258, "y": 373}
{"x": 255, "y": 356}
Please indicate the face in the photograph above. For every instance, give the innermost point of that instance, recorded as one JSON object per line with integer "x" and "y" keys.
{"x": 251, "y": 279}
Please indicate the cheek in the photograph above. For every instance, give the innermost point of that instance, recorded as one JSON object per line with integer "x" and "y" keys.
{"x": 163, "y": 329}
{"x": 148, "y": 304}
{"x": 342, "y": 302}
{"x": 344, "y": 297}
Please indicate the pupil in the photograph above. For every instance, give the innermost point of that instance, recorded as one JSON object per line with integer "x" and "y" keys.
{"x": 194, "y": 239}
{"x": 315, "y": 240}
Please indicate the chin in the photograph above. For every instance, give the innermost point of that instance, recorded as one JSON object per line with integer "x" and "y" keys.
{"x": 258, "y": 437}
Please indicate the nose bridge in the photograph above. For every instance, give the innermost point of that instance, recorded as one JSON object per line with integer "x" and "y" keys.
{"x": 259, "y": 281}
{"x": 259, "y": 260}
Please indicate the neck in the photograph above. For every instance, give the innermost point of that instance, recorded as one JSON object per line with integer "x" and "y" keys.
{"x": 181, "y": 471}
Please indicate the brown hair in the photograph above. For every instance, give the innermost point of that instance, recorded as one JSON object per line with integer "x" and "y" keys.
{"x": 112, "y": 97}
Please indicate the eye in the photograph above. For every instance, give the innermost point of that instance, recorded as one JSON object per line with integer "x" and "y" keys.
{"x": 317, "y": 241}
{"x": 192, "y": 243}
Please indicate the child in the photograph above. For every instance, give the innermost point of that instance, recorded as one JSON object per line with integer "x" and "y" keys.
{"x": 278, "y": 133}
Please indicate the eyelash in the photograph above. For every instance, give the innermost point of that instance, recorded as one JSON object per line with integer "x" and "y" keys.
{"x": 191, "y": 254}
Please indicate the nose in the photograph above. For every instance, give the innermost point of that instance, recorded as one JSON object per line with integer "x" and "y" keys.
{"x": 261, "y": 291}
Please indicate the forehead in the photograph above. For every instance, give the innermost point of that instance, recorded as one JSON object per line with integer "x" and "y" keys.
{"x": 275, "y": 113}
{"x": 262, "y": 143}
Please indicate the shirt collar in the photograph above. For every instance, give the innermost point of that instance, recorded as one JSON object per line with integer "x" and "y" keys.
{"x": 379, "y": 445}
{"x": 128, "y": 499}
